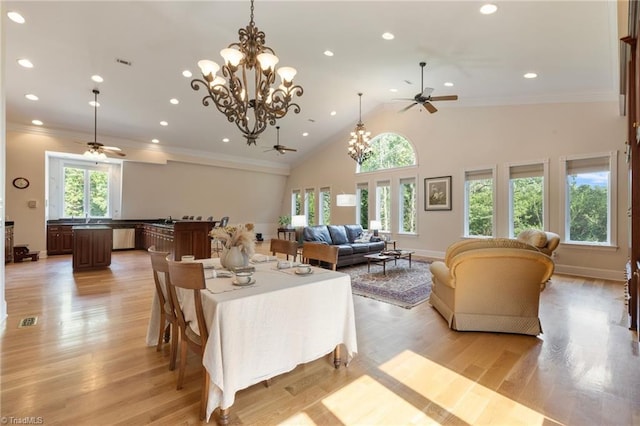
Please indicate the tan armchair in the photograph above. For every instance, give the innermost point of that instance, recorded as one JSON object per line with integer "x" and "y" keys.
{"x": 544, "y": 241}
{"x": 490, "y": 285}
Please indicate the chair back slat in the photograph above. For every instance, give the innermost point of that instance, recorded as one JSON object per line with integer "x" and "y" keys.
{"x": 288, "y": 247}
{"x": 190, "y": 276}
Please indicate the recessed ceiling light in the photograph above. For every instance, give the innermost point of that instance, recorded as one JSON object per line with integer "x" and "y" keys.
{"x": 488, "y": 9}
{"x": 328, "y": 53}
{"x": 97, "y": 78}
{"x": 174, "y": 101}
{"x": 31, "y": 97}
{"x": 388, "y": 36}
{"x": 186, "y": 73}
{"x": 164, "y": 123}
{"x": 530, "y": 75}
{"x": 448, "y": 84}
{"x": 305, "y": 134}
{"x": 37, "y": 122}
{"x": 393, "y": 90}
{"x": 94, "y": 104}
{"x": 225, "y": 140}
{"x": 16, "y": 17}
{"x": 155, "y": 141}
{"x": 25, "y": 63}
{"x": 333, "y": 113}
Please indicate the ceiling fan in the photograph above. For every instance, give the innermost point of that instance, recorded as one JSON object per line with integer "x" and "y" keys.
{"x": 95, "y": 147}
{"x": 280, "y": 148}
{"x": 424, "y": 98}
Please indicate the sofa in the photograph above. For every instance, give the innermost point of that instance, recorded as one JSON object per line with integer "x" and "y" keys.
{"x": 491, "y": 285}
{"x": 352, "y": 241}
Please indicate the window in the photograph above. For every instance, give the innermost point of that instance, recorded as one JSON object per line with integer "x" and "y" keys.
{"x": 590, "y": 199}
{"x": 383, "y": 205}
{"x": 526, "y": 197}
{"x": 325, "y": 207}
{"x": 479, "y": 202}
{"x": 408, "y": 202}
{"x": 389, "y": 151}
{"x": 362, "y": 205}
{"x": 296, "y": 203}
{"x": 80, "y": 188}
{"x": 310, "y": 205}
{"x": 86, "y": 191}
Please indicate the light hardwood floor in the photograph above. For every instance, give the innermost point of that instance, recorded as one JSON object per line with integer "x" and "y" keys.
{"x": 85, "y": 361}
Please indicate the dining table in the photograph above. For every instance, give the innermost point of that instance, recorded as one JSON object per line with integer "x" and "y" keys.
{"x": 259, "y": 331}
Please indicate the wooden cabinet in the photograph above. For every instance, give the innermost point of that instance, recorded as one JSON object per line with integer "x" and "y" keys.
{"x": 92, "y": 247}
{"x": 8, "y": 243}
{"x": 179, "y": 239}
{"x": 59, "y": 239}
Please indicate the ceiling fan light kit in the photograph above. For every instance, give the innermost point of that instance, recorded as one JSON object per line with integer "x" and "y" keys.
{"x": 359, "y": 144}
{"x": 231, "y": 92}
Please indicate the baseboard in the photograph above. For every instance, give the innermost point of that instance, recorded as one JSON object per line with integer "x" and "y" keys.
{"x": 581, "y": 271}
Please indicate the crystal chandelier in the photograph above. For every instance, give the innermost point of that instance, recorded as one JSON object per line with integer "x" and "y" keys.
{"x": 359, "y": 146}
{"x": 249, "y": 99}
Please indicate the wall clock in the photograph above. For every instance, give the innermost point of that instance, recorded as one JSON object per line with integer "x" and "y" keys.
{"x": 20, "y": 182}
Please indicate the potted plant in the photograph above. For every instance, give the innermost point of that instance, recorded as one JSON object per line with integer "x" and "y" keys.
{"x": 285, "y": 221}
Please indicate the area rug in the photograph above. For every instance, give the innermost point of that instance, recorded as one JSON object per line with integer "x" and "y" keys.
{"x": 401, "y": 286}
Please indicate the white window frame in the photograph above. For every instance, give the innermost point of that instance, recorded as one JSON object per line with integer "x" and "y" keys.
{"x": 321, "y": 203}
{"x": 56, "y": 163}
{"x": 490, "y": 170}
{"x": 544, "y": 164}
{"x": 359, "y": 188}
{"x": 402, "y": 181}
{"x": 380, "y": 184}
{"x": 612, "y": 223}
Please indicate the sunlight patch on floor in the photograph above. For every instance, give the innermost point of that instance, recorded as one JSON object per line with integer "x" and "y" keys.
{"x": 467, "y": 400}
{"x": 365, "y": 401}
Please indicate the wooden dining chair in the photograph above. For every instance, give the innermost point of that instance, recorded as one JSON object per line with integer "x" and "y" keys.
{"x": 189, "y": 276}
{"x": 288, "y": 247}
{"x": 321, "y": 253}
{"x": 168, "y": 320}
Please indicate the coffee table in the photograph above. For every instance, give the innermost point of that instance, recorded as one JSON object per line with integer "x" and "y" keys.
{"x": 385, "y": 256}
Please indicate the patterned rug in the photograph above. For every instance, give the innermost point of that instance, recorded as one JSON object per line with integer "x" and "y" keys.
{"x": 401, "y": 286}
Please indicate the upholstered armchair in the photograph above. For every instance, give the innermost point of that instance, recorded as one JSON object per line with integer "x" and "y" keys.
{"x": 544, "y": 241}
{"x": 490, "y": 285}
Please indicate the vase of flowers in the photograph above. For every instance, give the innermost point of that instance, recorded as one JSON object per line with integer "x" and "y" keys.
{"x": 238, "y": 244}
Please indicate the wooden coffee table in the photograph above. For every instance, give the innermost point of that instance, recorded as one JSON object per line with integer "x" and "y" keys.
{"x": 385, "y": 256}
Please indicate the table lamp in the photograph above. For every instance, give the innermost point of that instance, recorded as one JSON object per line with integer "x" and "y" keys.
{"x": 374, "y": 226}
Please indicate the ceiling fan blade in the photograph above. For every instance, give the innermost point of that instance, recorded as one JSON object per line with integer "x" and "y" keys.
{"x": 429, "y": 107}
{"x": 403, "y": 99}
{"x": 284, "y": 148}
{"x": 444, "y": 98}
{"x": 121, "y": 154}
{"x": 112, "y": 148}
{"x": 408, "y": 107}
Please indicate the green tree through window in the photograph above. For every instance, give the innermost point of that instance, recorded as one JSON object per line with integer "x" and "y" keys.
{"x": 480, "y": 193}
{"x": 527, "y": 203}
{"x": 389, "y": 151}
{"x": 86, "y": 192}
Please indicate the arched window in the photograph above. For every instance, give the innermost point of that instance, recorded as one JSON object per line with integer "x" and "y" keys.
{"x": 388, "y": 197}
{"x": 390, "y": 151}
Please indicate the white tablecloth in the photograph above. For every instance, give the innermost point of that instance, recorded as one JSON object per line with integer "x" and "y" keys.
{"x": 264, "y": 330}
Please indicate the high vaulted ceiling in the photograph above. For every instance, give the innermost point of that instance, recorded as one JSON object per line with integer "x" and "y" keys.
{"x": 572, "y": 46}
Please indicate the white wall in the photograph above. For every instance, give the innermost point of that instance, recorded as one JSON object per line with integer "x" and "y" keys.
{"x": 173, "y": 185}
{"x": 456, "y": 138}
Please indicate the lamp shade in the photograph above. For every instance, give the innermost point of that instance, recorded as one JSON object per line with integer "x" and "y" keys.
{"x": 346, "y": 200}
{"x": 375, "y": 225}
{"x": 298, "y": 220}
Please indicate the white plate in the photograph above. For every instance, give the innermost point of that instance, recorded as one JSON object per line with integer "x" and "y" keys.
{"x": 304, "y": 273}
{"x": 234, "y": 282}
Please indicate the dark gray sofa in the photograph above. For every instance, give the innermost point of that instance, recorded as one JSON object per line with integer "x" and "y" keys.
{"x": 343, "y": 236}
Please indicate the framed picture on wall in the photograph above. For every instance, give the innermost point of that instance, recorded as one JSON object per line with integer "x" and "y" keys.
{"x": 437, "y": 193}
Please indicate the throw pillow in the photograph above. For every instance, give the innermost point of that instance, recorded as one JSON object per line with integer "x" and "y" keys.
{"x": 365, "y": 237}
